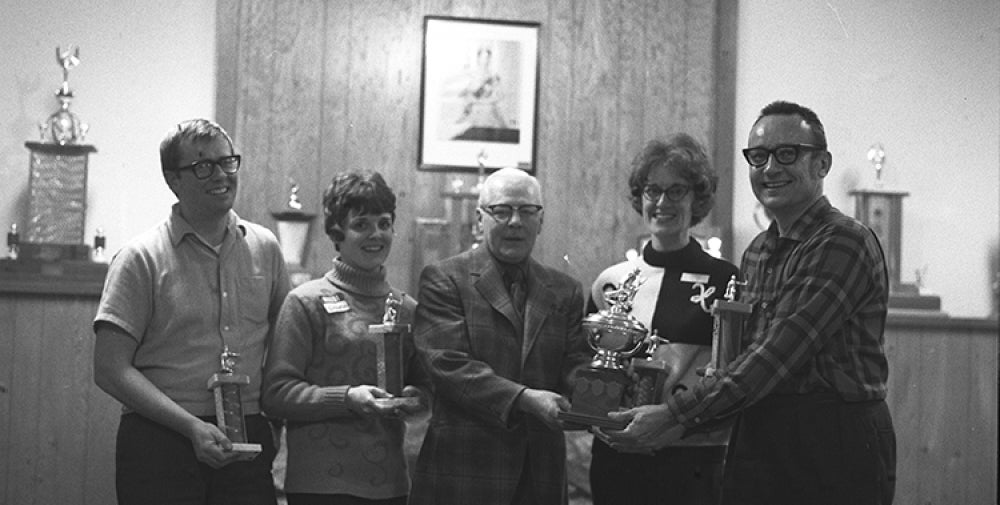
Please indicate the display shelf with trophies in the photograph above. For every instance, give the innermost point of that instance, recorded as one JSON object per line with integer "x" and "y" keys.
{"x": 881, "y": 209}
{"x": 50, "y": 252}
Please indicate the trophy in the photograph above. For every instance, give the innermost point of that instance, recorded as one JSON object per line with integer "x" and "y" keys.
{"x": 389, "y": 355}
{"x": 229, "y": 406}
{"x": 727, "y": 326}
{"x": 619, "y": 340}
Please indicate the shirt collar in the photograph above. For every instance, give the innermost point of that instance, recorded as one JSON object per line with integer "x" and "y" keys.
{"x": 805, "y": 225}
{"x": 179, "y": 227}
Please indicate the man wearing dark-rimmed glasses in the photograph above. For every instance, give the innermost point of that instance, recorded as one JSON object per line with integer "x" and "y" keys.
{"x": 501, "y": 336}
{"x": 809, "y": 388}
{"x": 202, "y": 283}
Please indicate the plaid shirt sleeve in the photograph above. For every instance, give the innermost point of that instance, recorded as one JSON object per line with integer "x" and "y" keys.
{"x": 819, "y": 297}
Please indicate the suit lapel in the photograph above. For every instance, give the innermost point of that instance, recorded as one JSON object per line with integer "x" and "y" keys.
{"x": 489, "y": 283}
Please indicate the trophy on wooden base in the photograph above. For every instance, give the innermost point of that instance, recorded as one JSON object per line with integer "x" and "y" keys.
{"x": 617, "y": 338}
{"x": 389, "y": 355}
{"x": 728, "y": 315}
{"x": 226, "y": 385}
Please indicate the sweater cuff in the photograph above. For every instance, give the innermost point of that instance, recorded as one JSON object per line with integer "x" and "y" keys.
{"x": 335, "y": 399}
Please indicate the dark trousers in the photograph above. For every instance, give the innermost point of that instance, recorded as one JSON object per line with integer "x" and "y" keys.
{"x": 814, "y": 449}
{"x": 155, "y": 465}
{"x": 674, "y": 476}
{"x": 340, "y": 499}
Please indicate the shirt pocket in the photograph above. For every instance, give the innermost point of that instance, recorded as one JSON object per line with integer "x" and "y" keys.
{"x": 254, "y": 299}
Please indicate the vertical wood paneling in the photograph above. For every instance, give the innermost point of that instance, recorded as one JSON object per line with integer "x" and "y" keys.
{"x": 54, "y": 427}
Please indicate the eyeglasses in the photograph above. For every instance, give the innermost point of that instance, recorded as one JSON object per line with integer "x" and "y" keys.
{"x": 503, "y": 212}
{"x": 786, "y": 154}
{"x": 674, "y": 192}
{"x": 203, "y": 169}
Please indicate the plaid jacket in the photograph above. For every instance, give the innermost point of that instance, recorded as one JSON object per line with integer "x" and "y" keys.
{"x": 480, "y": 356}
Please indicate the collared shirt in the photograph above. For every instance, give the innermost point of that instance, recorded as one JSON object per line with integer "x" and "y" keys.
{"x": 819, "y": 296}
{"x": 182, "y": 302}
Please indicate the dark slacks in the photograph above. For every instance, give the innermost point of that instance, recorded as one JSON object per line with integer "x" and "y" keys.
{"x": 155, "y": 465}
{"x": 813, "y": 449}
{"x": 672, "y": 476}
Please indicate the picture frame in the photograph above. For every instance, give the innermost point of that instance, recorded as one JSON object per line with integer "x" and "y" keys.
{"x": 478, "y": 95}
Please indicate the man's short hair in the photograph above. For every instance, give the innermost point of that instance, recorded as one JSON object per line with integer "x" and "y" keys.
{"x": 365, "y": 192}
{"x": 684, "y": 154}
{"x": 781, "y": 107}
{"x": 192, "y": 130}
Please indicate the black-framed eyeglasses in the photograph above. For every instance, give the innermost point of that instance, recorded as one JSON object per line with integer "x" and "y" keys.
{"x": 502, "y": 213}
{"x": 203, "y": 169}
{"x": 674, "y": 192}
{"x": 786, "y": 154}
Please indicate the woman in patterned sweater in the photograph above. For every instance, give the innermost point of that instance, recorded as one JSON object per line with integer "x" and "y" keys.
{"x": 343, "y": 443}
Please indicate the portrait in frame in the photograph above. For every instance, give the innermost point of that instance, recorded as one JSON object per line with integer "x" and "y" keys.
{"x": 479, "y": 94}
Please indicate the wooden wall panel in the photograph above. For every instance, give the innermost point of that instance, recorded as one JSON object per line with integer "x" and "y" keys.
{"x": 57, "y": 426}
{"x": 612, "y": 76}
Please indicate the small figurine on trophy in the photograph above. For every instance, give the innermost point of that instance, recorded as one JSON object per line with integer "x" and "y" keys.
{"x": 617, "y": 338}
{"x": 64, "y": 127}
{"x": 389, "y": 354}
{"x": 728, "y": 315}
{"x": 229, "y": 404}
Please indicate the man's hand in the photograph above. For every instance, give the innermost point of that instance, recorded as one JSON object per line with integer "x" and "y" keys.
{"x": 422, "y": 404}
{"x": 545, "y": 405}
{"x": 649, "y": 427}
{"x": 211, "y": 446}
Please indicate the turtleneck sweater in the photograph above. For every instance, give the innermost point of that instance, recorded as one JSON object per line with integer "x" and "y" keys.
{"x": 321, "y": 348}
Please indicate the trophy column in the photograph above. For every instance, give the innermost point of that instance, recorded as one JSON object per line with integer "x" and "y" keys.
{"x": 728, "y": 315}
{"x": 389, "y": 365}
{"x": 226, "y": 385}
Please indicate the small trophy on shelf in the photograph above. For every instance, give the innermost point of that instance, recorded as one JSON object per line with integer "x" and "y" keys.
{"x": 619, "y": 340}
{"x": 389, "y": 337}
{"x": 226, "y": 386}
{"x": 728, "y": 315}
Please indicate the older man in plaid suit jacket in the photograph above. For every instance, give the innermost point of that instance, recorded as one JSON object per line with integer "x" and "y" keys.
{"x": 501, "y": 336}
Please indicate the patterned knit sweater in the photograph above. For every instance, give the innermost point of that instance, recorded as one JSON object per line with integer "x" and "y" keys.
{"x": 322, "y": 347}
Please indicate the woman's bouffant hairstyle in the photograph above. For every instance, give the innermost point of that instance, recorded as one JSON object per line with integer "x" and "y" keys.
{"x": 684, "y": 154}
{"x": 365, "y": 192}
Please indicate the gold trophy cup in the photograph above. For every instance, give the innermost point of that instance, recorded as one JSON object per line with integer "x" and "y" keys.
{"x": 619, "y": 340}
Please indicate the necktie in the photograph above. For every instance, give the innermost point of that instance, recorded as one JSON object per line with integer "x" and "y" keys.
{"x": 517, "y": 289}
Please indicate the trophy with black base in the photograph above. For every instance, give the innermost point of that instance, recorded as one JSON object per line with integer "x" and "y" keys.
{"x": 617, "y": 338}
{"x": 226, "y": 385}
{"x": 389, "y": 336}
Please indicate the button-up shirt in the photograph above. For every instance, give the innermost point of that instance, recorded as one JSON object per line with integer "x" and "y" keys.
{"x": 819, "y": 295}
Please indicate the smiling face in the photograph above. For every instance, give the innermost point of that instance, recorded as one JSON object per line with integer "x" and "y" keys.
{"x": 787, "y": 190}
{"x": 513, "y": 241}
{"x": 367, "y": 240}
{"x": 668, "y": 222}
{"x": 203, "y": 198}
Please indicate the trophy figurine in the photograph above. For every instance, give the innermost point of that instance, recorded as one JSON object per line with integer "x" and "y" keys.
{"x": 389, "y": 354}
{"x": 727, "y": 315}
{"x": 226, "y": 385}
{"x": 616, "y": 337}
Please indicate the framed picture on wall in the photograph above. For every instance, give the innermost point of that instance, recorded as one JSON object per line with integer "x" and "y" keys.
{"x": 478, "y": 94}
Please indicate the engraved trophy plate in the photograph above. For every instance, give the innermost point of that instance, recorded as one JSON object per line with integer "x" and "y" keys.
{"x": 226, "y": 385}
{"x": 616, "y": 337}
{"x": 389, "y": 354}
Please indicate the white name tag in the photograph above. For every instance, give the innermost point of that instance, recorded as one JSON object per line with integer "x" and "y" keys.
{"x": 334, "y": 304}
{"x": 694, "y": 278}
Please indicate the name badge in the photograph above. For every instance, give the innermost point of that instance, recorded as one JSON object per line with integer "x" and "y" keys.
{"x": 694, "y": 278}
{"x": 334, "y": 304}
